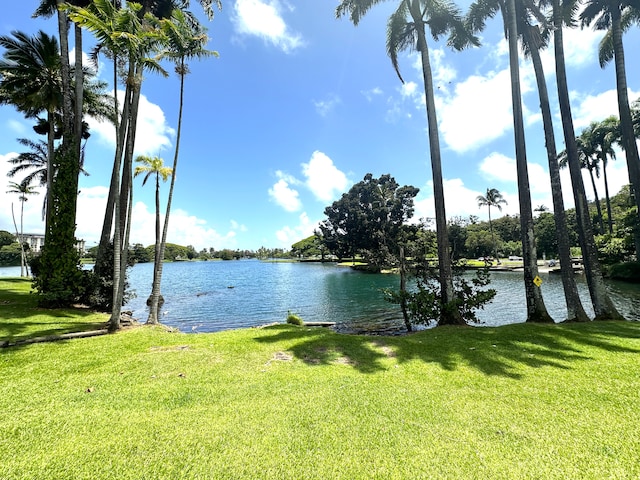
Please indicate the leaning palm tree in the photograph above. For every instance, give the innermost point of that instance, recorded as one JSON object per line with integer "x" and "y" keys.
{"x": 186, "y": 39}
{"x": 22, "y": 189}
{"x": 608, "y": 15}
{"x": 407, "y": 28}
{"x": 478, "y": 13}
{"x": 563, "y": 14}
{"x": 154, "y": 166}
{"x": 493, "y": 198}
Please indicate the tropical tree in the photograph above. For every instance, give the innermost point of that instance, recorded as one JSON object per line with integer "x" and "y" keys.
{"x": 33, "y": 163}
{"x": 535, "y": 34}
{"x": 184, "y": 40}
{"x": 608, "y": 15}
{"x": 154, "y": 166}
{"x": 22, "y": 189}
{"x": 564, "y": 14}
{"x": 406, "y": 28}
{"x": 606, "y": 133}
{"x": 493, "y": 198}
{"x": 478, "y": 13}
{"x": 31, "y": 82}
{"x": 130, "y": 35}
{"x": 368, "y": 219}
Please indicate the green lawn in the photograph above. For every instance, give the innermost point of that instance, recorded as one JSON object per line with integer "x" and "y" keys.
{"x": 286, "y": 402}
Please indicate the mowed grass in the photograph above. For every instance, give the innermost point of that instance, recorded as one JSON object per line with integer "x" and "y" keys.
{"x": 286, "y": 402}
{"x": 21, "y": 318}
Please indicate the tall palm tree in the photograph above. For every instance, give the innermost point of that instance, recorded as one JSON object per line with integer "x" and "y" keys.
{"x": 128, "y": 36}
{"x": 22, "y": 189}
{"x": 185, "y": 40}
{"x": 564, "y": 14}
{"x": 607, "y": 15}
{"x": 493, "y": 198}
{"x": 478, "y": 13}
{"x": 535, "y": 36}
{"x": 407, "y": 28}
{"x": 154, "y": 166}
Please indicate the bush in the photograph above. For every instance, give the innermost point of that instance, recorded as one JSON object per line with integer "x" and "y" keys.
{"x": 424, "y": 304}
{"x": 294, "y": 319}
{"x": 628, "y": 272}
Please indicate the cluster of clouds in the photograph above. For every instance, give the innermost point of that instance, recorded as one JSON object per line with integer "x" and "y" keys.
{"x": 264, "y": 19}
{"x": 321, "y": 178}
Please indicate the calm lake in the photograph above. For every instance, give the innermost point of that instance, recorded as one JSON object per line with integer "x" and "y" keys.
{"x": 219, "y": 295}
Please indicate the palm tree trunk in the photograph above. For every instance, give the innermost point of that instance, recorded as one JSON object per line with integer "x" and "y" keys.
{"x": 626, "y": 123}
{"x": 606, "y": 193}
{"x": 449, "y": 316}
{"x": 21, "y": 237}
{"x": 50, "y": 157}
{"x": 597, "y": 200}
{"x": 602, "y": 304}
{"x": 157, "y": 277}
{"x": 575, "y": 310}
{"x": 536, "y": 310}
{"x": 121, "y": 130}
{"x": 79, "y": 90}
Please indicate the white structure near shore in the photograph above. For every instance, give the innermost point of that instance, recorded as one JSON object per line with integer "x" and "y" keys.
{"x": 36, "y": 242}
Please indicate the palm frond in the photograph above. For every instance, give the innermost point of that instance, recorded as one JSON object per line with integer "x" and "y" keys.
{"x": 401, "y": 35}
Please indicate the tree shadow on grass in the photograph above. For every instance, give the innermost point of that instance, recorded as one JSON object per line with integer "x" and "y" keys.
{"x": 21, "y": 318}
{"x": 500, "y": 351}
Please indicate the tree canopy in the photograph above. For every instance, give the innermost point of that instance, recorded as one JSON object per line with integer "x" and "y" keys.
{"x": 368, "y": 219}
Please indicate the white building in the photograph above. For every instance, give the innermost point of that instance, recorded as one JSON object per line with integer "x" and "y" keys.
{"x": 36, "y": 242}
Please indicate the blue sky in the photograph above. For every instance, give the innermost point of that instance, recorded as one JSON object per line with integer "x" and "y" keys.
{"x": 300, "y": 106}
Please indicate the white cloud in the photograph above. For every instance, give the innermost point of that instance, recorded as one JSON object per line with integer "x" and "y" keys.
{"x": 238, "y": 226}
{"x": 592, "y": 108}
{"x": 324, "y": 107}
{"x": 289, "y": 235}
{"x": 323, "y": 178}
{"x": 153, "y": 133}
{"x": 18, "y": 127}
{"x": 371, "y": 93}
{"x": 581, "y": 46}
{"x": 477, "y": 113}
{"x": 285, "y": 196}
{"x": 263, "y": 18}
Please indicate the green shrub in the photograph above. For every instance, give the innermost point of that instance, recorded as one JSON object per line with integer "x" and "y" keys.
{"x": 628, "y": 271}
{"x": 294, "y": 319}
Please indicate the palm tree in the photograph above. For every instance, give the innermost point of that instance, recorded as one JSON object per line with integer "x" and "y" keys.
{"x": 30, "y": 70}
{"x": 22, "y": 189}
{"x": 185, "y": 40}
{"x": 607, "y": 15}
{"x": 564, "y": 14}
{"x": 606, "y": 133}
{"x": 534, "y": 38}
{"x": 154, "y": 166}
{"x": 123, "y": 32}
{"x": 406, "y": 28}
{"x": 493, "y": 198}
{"x": 590, "y": 159}
{"x": 478, "y": 13}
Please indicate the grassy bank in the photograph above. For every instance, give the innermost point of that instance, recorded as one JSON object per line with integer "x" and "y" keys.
{"x": 521, "y": 401}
